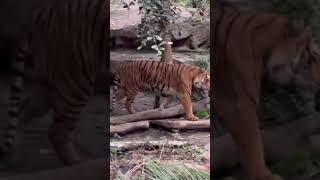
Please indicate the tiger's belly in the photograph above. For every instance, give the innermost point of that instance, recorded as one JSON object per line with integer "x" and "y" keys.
{"x": 168, "y": 91}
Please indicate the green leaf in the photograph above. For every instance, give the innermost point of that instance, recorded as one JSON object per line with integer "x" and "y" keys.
{"x": 158, "y": 38}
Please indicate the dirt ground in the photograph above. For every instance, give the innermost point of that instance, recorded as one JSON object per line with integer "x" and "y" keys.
{"x": 143, "y": 102}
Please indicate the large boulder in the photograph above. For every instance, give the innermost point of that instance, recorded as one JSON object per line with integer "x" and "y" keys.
{"x": 188, "y": 34}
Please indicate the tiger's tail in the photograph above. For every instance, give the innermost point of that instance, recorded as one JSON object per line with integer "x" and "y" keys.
{"x": 115, "y": 91}
{"x": 15, "y": 99}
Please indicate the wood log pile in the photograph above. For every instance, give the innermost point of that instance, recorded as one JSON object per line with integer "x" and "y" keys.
{"x": 165, "y": 118}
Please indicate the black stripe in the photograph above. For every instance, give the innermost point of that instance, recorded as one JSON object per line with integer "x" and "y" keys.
{"x": 37, "y": 16}
{"x": 16, "y": 89}
{"x": 17, "y": 72}
{"x": 158, "y": 72}
{"x": 216, "y": 28}
{"x": 14, "y": 98}
{"x": 163, "y": 85}
{"x": 139, "y": 65}
{"x": 49, "y": 17}
{"x": 178, "y": 71}
{"x": 12, "y": 113}
{"x": 228, "y": 30}
{"x": 144, "y": 67}
{"x": 248, "y": 21}
{"x": 144, "y": 72}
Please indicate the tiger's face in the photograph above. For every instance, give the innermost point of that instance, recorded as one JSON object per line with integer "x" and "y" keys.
{"x": 296, "y": 61}
{"x": 308, "y": 69}
{"x": 202, "y": 81}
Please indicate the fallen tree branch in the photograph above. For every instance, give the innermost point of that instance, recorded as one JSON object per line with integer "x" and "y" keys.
{"x": 130, "y": 145}
{"x": 129, "y": 127}
{"x": 279, "y": 143}
{"x": 182, "y": 124}
{"x": 177, "y": 110}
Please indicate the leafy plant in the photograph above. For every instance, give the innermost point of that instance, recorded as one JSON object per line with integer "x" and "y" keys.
{"x": 173, "y": 170}
{"x": 203, "y": 113}
{"x": 194, "y": 150}
{"x": 156, "y": 15}
{"x": 300, "y": 162}
{"x": 203, "y": 61}
{"x": 114, "y": 152}
{"x": 302, "y": 11}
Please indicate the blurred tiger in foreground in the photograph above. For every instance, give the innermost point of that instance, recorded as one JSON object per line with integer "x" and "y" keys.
{"x": 55, "y": 67}
{"x": 167, "y": 79}
{"x": 250, "y": 46}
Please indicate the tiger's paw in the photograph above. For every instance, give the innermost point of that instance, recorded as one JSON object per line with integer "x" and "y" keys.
{"x": 193, "y": 118}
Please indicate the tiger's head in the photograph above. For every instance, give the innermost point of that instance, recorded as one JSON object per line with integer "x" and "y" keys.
{"x": 202, "y": 80}
{"x": 296, "y": 60}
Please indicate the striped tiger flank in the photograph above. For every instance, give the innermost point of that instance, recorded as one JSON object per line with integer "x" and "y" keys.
{"x": 65, "y": 48}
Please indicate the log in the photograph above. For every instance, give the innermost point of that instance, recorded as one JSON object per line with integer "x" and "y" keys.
{"x": 93, "y": 169}
{"x": 279, "y": 143}
{"x": 130, "y": 145}
{"x": 152, "y": 114}
{"x": 182, "y": 124}
{"x": 129, "y": 127}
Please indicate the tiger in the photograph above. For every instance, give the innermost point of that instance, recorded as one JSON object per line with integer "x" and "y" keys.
{"x": 55, "y": 67}
{"x": 250, "y": 47}
{"x": 164, "y": 78}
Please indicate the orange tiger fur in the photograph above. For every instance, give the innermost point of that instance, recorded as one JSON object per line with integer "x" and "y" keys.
{"x": 248, "y": 47}
{"x": 168, "y": 79}
{"x": 64, "y": 48}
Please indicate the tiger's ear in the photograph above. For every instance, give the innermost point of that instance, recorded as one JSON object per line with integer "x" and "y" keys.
{"x": 301, "y": 43}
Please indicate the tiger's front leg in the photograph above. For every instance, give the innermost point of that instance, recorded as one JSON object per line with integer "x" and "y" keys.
{"x": 66, "y": 116}
{"x": 60, "y": 136}
{"x": 185, "y": 100}
{"x": 130, "y": 99}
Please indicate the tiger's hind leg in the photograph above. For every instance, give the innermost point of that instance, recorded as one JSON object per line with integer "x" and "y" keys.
{"x": 67, "y": 108}
{"x": 118, "y": 96}
{"x": 60, "y": 136}
{"x": 34, "y": 106}
{"x": 130, "y": 99}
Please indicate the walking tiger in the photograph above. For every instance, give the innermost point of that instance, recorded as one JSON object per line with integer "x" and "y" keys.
{"x": 168, "y": 79}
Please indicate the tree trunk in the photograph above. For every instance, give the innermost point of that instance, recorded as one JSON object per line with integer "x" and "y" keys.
{"x": 166, "y": 54}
